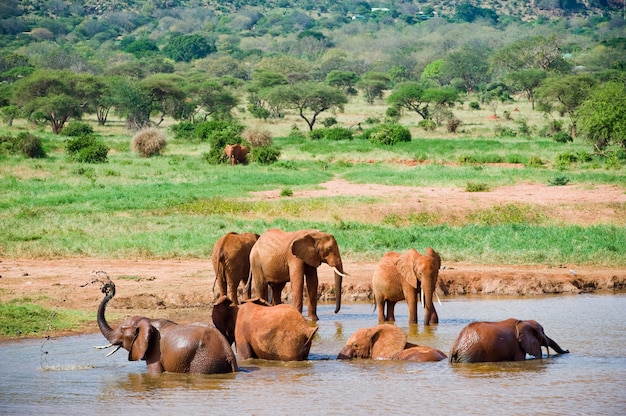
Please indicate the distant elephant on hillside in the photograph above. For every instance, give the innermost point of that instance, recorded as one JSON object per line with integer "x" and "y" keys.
{"x": 231, "y": 262}
{"x": 236, "y": 154}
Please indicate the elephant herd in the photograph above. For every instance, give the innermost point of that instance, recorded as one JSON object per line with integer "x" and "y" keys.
{"x": 262, "y": 327}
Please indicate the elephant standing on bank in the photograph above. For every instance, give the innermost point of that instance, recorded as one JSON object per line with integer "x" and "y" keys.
{"x": 236, "y": 154}
{"x": 508, "y": 340}
{"x": 167, "y": 346}
{"x": 403, "y": 276}
{"x": 386, "y": 341}
{"x": 260, "y": 330}
{"x": 231, "y": 262}
{"x": 279, "y": 257}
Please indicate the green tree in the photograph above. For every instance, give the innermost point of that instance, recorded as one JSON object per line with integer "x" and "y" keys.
{"x": 527, "y": 81}
{"x": 166, "y": 95}
{"x": 415, "y": 96}
{"x": 373, "y": 85}
{"x": 344, "y": 80}
{"x": 535, "y": 52}
{"x": 433, "y": 72}
{"x": 470, "y": 66}
{"x": 57, "y": 95}
{"x": 310, "y": 99}
{"x": 132, "y": 101}
{"x": 602, "y": 118}
{"x": 214, "y": 99}
{"x": 565, "y": 94}
{"x": 188, "y": 47}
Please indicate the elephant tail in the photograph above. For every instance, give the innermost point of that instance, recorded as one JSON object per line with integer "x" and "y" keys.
{"x": 248, "y": 287}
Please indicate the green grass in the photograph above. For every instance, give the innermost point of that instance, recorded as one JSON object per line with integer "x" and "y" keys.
{"x": 21, "y": 317}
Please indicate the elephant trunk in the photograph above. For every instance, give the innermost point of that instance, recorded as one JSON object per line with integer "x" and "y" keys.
{"x": 430, "y": 313}
{"x": 109, "y": 290}
{"x": 555, "y": 346}
{"x": 338, "y": 281}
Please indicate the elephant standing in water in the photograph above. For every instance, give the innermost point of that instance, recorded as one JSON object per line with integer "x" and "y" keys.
{"x": 231, "y": 262}
{"x": 386, "y": 341}
{"x": 167, "y": 346}
{"x": 508, "y": 340}
{"x": 260, "y": 330}
{"x": 403, "y": 276}
{"x": 236, "y": 154}
{"x": 279, "y": 257}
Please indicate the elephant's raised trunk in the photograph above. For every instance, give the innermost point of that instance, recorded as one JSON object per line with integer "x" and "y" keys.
{"x": 109, "y": 290}
{"x": 338, "y": 281}
{"x": 555, "y": 347}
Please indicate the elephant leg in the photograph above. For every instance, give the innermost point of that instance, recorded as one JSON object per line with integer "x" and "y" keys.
{"x": 244, "y": 350}
{"x": 311, "y": 292}
{"x": 391, "y": 305}
{"x": 232, "y": 292}
{"x": 380, "y": 304}
{"x": 277, "y": 291}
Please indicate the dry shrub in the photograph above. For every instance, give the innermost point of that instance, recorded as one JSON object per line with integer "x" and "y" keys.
{"x": 149, "y": 142}
{"x": 258, "y": 137}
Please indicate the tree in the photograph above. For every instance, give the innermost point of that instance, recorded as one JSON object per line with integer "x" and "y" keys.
{"x": 602, "y": 118}
{"x": 344, "y": 80}
{"x": 373, "y": 84}
{"x": 188, "y": 47}
{"x": 214, "y": 99}
{"x": 470, "y": 66}
{"x": 536, "y": 52}
{"x": 309, "y": 97}
{"x": 166, "y": 95}
{"x": 58, "y": 95}
{"x": 527, "y": 81}
{"x": 131, "y": 100}
{"x": 434, "y": 72}
{"x": 565, "y": 94}
{"x": 415, "y": 96}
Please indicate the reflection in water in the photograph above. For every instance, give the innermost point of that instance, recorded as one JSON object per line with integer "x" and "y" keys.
{"x": 67, "y": 376}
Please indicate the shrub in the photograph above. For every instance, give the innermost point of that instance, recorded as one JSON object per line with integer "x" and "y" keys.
{"x": 30, "y": 145}
{"x": 258, "y": 137}
{"x": 388, "y": 134}
{"x": 427, "y": 125}
{"x": 333, "y": 133}
{"x": 566, "y": 159}
{"x": 473, "y": 105}
{"x": 77, "y": 128}
{"x": 535, "y": 161}
{"x": 219, "y": 133}
{"x": 286, "y": 192}
{"x": 185, "y": 130}
{"x": 265, "y": 155}
{"x": 476, "y": 187}
{"x": 148, "y": 142}
{"x": 562, "y": 137}
{"x": 502, "y": 131}
{"x": 393, "y": 113}
{"x": 86, "y": 149}
{"x": 329, "y": 121}
{"x": 453, "y": 124}
{"x": 558, "y": 180}
{"x": 259, "y": 112}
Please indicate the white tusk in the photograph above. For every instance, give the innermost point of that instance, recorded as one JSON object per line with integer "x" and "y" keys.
{"x": 422, "y": 296}
{"x": 339, "y": 273}
{"x": 114, "y": 351}
{"x": 438, "y": 300}
{"x": 102, "y": 347}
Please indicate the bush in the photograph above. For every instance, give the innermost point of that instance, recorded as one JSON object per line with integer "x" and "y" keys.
{"x": 329, "y": 122}
{"x": 427, "y": 125}
{"x": 259, "y": 112}
{"x": 77, "y": 128}
{"x": 559, "y": 180}
{"x": 219, "y": 133}
{"x": 473, "y": 105}
{"x": 388, "y": 134}
{"x": 333, "y": 133}
{"x": 503, "y": 131}
{"x": 30, "y": 145}
{"x": 562, "y": 137}
{"x": 265, "y": 155}
{"x": 453, "y": 124}
{"x": 185, "y": 130}
{"x": 148, "y": 142}
{"x": 476, "y": 187}
{"x": 258, "y": 137}
{"x": 86, "y": 149}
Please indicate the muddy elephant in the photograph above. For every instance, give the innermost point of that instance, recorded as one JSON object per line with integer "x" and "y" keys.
{"x": 386, "y": 341}
{"x": 261, "y": 330}
{"x": 404, "y": 276}
{"x": 167, "y": 346}
{"x": 231, "y": 262}
{"x": 236, "y": 154}
{"x": 279, "y": 257}
{"x": 508, "y": 340}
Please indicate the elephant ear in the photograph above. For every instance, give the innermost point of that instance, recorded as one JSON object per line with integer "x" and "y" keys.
{"x": 387, "y": 340}
{"x": 305, "y": 249}
{"x": 432, "y": 253}
{"x": 530, "y": 335}
{"x": 139, "y": 338}
{"x": 407, "y": 266}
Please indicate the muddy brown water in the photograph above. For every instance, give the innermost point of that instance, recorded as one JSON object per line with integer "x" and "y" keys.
{"x": 67, "y": 376}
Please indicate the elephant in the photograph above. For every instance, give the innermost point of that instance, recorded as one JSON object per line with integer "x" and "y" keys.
{"x": 231, "y": 262}
{"x": 403, "y": 276}
{"x": 386, "y": 341}
{"x": 279, "y": 257}
{"x": 508, "y": 340}
{"x": 167, "y": 346}
{"x": 263, "y": 331}
{"x": 236, "y": 153}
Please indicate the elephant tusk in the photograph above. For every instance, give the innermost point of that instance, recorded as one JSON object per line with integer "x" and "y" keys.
{"x": 422, "y": 296}
{"x": 114, "y": 351}
{"x": 102, "y": 347}
{"x": 438, "y": 300}
{"x": 339, "y": 273}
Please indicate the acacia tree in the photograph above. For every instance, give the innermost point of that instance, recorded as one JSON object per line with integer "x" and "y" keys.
{"x": 415, "y": 96}
{"x": 57, "y": 95}
{"x": 373, "y": 85}
{"x": 309, "y": 99}
{"x": 602, "y": 118}
{"x": 527, "y": 81}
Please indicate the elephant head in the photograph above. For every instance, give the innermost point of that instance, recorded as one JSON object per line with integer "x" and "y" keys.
{"x": 316, "y": 247}
{"x": 421, "y": 272}
{"x": 380, "y": 341}
{"x": 236, "y": 153}
{"x": 531, "y": 338}
{"x": 224, "y": 317}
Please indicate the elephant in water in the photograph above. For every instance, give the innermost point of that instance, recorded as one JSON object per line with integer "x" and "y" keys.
{"x": 279, "y": 257}
{"x": 166, "y": 346}
{"x": 508, "y": 340}
{"x": 231, "y": 262}
{"x": 260, "y": 330}
{"x": 386, "y": 341}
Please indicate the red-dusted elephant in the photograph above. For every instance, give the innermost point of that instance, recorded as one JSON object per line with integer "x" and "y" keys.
{"x": 237, "y": 153}
{"x": 386, "y": 341}
{"x": 508, "y": 340}
{"x": 261, "y": 330}
{"x": 231, "y": 262}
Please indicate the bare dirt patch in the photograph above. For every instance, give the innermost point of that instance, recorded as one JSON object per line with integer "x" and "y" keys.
{"x": 182, "y": 289}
